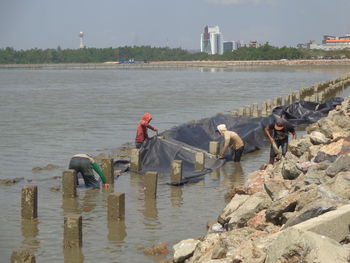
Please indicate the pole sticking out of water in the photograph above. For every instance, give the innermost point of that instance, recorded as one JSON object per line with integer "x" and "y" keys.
{"x": 135, "y": 160}
{"x": 108, "y": 170}
{"x": 151, "y": 181}
{"x": 255, "y": 110}
{"x": 73, "y": 234}
{"x": 29, "y": 202}
{"x": 69, "y": 183}
{"x": 176, "y": 172}
{"x": 116, "y": 206}
{"x": 22, "y": 255}
{"x": 214, "y": 147}
{"x": 199, "y": 164}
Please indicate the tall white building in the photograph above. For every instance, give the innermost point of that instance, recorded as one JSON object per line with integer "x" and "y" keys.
{"x": 212, "y": 41}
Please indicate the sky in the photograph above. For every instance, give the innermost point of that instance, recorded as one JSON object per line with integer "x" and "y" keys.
{"x": 26, "y": 24}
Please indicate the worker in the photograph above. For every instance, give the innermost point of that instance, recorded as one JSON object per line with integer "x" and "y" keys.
{"x": 231, "y": 139}
{"x": 141, "y": 133}
{"x": 280, "y": 130}
{"x": 85, "y": 164}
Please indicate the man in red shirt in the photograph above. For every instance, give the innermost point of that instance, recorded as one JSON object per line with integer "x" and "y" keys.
{"x": 142, "y": 127}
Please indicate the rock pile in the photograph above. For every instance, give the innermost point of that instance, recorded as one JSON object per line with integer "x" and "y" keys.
{"x": 297, "y": 210}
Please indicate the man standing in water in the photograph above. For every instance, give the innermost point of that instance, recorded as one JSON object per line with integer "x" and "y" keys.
{"x": 84, "y": 164}
{"x": 231, "y": 139}
{"x": 141, "y": 133}
{"x": 280, "y": 129}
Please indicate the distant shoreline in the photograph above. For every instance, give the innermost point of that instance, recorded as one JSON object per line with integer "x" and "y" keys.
{"x": 181, "y": 64}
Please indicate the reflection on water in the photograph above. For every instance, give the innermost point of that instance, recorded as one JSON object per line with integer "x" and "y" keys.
{"x": 176, "y": 196}
{"x": 233, "y": 173}
{"x": 117, "y": 232}
{"x": 89, "y": 200}
{"x": 150, "y": 211}
{"x": 215, "y": 175}
{"x": 30, "y": 231}
{"x": 73, "y": 255}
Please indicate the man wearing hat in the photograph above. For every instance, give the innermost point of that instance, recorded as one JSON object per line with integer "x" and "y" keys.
{"x": 280, "y": 130}
{"x": 231, "y": 139}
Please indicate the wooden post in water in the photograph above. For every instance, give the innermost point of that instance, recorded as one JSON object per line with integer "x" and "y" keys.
{"x": 135, "y": 160}
{"x": 255, "y": 110}
{"x": 116, "y": 206}
{"x": 22, "y": 255}
{"x": 286, "y": 100}
{"x": 200, "y": 161}
{"x": 151, "y": 181}
{"x": 69, "y": 183}
{"x": 241, "y": 111}
{"x": 247, "y": 110}
{"x": 73, "y": 234}
{"x": 108, "y": 170}
{"x": 176, "y": 172}
{"x": 214, "y": 147}
{"x": 264, "y": 108}
{"x": 269, "y": 107}
{"x": 29, "y": 202}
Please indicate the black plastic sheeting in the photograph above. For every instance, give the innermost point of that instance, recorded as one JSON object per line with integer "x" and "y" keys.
{"x": 182, "y": 142}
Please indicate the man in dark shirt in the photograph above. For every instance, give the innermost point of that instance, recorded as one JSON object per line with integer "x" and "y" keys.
{"x": 280, "y": 130}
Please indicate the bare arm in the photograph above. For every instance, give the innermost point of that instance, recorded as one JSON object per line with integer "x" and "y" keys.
{"x": 226, "y": 145}
{"x": 267, "y": 132}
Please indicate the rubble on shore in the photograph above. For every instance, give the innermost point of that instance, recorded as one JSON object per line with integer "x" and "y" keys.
{"x": 297, "y": 210}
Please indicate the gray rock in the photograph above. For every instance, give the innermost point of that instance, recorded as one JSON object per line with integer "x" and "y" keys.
{"x": 295, "y": 245}
{"x": 342, "y": 163}
{"x": 341, "y": 185}
{"x": 290, "y": 171}
{"x": 184, "y": 249}
{"x": 327, "y": 127}
{"x": 318, "y": 138}
{"x": 254, "y": 204}
{"x": 312, "y": 210}
{"x": 299, "y": 147}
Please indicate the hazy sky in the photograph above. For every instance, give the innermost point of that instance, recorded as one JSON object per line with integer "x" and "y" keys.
{"x": 26, "y": 24}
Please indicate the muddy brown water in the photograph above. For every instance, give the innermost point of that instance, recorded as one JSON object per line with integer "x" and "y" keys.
{"x": 49, "y": 115}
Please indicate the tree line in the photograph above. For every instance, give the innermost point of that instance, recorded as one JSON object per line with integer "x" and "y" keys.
{"x": 9, "y": 55}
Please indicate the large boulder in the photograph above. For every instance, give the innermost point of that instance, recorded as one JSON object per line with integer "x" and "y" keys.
{"x": 341, "y": 185}
{"x": 342, "y": 163}
{"x": 328, "y": 127}
{"x": 330, "y": 152}
{"x": 290, "y": 170}
{"x": 295, "y": 245}
{"x": 312, "y": 210}
{"x": 231, "y": 207}
{"x": 184, "y": 249}
{"x": 318, "y": 138}
{"x": 277, "y": 188}
{"x": 253, "y": 205}
{"x": 299, "y": 147}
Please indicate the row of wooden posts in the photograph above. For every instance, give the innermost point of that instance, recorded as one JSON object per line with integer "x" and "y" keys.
{"x": 318, "y": 92}
{"x": 115, "y": 202}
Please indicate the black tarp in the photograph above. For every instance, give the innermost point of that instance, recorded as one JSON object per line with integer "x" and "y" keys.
{"x": 183, "y": 141}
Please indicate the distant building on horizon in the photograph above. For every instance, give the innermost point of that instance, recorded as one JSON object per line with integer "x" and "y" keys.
{"x": 81, "y": 36}
{"x": 211, "y": 41}
{"x": 229, "y": 46}
{"x": 330, "y": 43}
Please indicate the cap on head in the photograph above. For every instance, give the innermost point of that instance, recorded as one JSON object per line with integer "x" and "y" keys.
{"x": 279, "y": 124}
{"x": 221, "y": 128}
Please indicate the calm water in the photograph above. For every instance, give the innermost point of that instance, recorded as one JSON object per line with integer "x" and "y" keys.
{"x": 49, "y": 115}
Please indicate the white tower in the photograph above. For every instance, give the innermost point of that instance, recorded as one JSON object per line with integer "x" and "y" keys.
{"x": 81, "y": 35}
